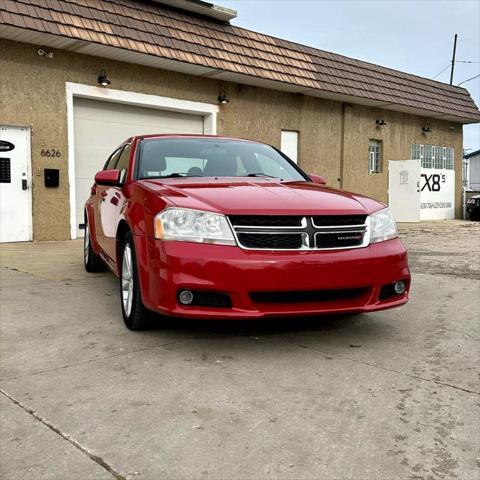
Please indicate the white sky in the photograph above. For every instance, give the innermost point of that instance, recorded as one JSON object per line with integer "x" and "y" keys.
{"x": 414, "y": 36}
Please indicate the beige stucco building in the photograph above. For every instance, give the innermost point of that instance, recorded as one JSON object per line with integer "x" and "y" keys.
{"x": 48, "y": 69}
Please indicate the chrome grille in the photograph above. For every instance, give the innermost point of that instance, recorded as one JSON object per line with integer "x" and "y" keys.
{"x": 288, "y": 232}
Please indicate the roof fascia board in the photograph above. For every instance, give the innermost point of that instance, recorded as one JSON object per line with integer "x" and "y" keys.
{"x": 200, "y": 7}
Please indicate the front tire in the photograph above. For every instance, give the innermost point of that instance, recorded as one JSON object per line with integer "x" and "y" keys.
{"x": 135, "y": 315}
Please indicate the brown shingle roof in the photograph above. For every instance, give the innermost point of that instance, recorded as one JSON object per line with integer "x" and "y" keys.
{"x": 160, "y": 31}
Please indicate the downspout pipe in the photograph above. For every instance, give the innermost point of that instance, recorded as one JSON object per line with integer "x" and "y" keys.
{"x": 464, "y": 187}
{"x": 342, "y": 145}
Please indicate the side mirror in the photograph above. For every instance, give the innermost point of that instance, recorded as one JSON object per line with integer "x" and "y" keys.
{"x": 108, "y": 177}
{"x": 317, "y": 179}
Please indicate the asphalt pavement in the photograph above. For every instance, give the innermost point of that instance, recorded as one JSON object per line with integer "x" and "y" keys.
{"x": 387, "y": 395}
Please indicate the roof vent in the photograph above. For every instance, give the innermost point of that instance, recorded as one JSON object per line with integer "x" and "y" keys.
{"x": 200, "y": 7}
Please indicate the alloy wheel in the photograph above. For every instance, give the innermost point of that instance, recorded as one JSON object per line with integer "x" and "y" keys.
{"x": 86, "y": 243}
{"x": 127, "y": 280}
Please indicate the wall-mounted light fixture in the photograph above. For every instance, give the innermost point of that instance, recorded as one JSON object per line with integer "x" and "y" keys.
{"x": 223, "y": 99}
{"x": 103, "y": 79}
{"x": 380, "y": 122}
{"x": 426, "y": 129}
{"x": 43, "y": 52}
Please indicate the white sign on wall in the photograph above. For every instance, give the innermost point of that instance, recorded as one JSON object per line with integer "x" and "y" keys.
{"x": 416, "y": 193}
{"x": 437, "y": 194}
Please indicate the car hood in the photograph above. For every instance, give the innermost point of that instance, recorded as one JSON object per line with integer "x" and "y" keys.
{"x": 232, "y": 196}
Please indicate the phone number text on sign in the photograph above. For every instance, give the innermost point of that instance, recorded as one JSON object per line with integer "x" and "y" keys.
{"x": 436, "y": 205}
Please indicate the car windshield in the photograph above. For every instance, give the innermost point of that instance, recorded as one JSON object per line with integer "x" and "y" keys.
{"x": 212, "y": 157}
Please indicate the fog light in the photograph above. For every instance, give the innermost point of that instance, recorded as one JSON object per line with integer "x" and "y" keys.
{"x": 399, "y": 287}
{"x": 185, "y": 297}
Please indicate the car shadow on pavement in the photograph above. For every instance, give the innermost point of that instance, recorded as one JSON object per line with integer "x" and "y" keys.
{"x": 264, "y": 327}
{"x": 335, "y": 334}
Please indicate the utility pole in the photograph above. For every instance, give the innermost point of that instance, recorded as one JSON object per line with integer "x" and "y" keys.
{"x": 453, "y": 58}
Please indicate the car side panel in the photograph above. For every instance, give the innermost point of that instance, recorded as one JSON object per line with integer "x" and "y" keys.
{"x": 111, "y": 204}
{"x": 90, "y": 208}
{"x": 139, "y": 210}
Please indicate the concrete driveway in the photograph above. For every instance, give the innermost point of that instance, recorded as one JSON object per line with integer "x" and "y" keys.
{"x": 390, "y": 395}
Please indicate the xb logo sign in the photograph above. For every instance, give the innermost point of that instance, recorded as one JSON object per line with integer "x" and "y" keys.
{"x": 432, "y": 182}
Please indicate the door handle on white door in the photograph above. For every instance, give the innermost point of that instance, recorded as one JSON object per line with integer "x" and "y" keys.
{"x": 24, "y": 184}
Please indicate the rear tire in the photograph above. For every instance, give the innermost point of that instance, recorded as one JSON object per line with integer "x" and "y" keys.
{"x": 93, "y": 263}
{"x": 135, "y": 315}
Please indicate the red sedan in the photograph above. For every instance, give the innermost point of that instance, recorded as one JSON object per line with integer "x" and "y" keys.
{"x": 212, "y": 227}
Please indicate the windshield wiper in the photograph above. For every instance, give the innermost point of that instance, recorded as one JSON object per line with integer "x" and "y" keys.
{"x": 178, "y": 175}
{"x": 260, "y": 175}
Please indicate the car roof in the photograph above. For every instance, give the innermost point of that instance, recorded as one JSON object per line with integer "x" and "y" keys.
{"x": 188, "y": 135}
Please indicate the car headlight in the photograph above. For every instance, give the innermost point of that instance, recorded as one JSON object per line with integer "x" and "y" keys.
{"x": 193, "y": 226}
{"x": 382, "y": 226}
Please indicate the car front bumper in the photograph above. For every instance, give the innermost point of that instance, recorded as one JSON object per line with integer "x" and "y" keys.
{"x": 168, "y": 267}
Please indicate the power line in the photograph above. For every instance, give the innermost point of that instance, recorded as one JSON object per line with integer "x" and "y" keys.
{"x": 456, "y": 61}
{"x": 438, "y": 74}
{"x": 468, "y": 79}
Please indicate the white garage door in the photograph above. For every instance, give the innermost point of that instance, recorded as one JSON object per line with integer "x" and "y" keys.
{"x": 101, "y": 126}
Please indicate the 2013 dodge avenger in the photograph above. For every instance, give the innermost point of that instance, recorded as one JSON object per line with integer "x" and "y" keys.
{"x": 213, "y": 227}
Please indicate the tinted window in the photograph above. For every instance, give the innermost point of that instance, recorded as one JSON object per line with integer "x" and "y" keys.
{"x": 212, "y": 157}
{"x": 191, "y": 166}
{"x": 112, "y": 161}
{"x": 124, "y": 159}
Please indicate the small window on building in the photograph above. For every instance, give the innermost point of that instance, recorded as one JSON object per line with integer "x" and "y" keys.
{"x": 417, "y": 151}
{"x": 433, "y": 156}
{"x": 375, "y": 156}
{"x": 427, "y": 158}
{"x": 289, "y": 144}
{"x": 438, "y": 160}
{"x": 449, "y": 158}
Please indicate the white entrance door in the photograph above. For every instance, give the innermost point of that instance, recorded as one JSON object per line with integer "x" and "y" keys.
{"x": 101, "y": 126}
{"x": 15, "y": 185}
{"x": 404, "y": 190}
{"x": 289, "y": 144}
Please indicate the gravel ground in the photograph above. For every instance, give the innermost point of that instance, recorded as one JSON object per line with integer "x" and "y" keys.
{"x": 450, "y": 247}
